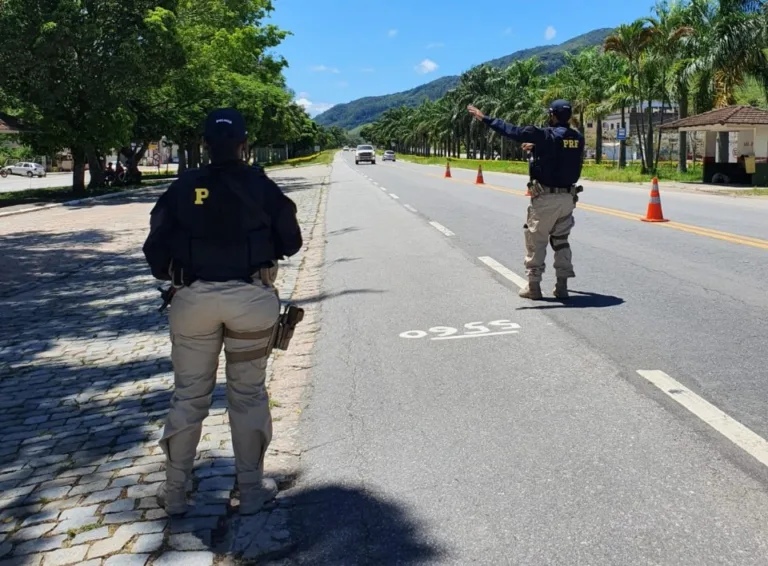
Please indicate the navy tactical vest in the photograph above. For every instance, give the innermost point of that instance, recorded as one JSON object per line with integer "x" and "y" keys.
{"x": 559, "y": 160}
{"x": 223, "y": 232}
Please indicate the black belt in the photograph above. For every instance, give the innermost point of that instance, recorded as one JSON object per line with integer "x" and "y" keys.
{"x": 183, "y": 278}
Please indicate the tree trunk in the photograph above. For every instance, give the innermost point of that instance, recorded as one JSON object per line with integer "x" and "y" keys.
{"x": 78, "y": 172}
{"x": 682, "y": 157}
{"x": 640, "y": 122}
{"x": 132, "y": 159}
{"x": 599, "y": 141}
{"x": 581, "y": 121}
{"x": 623, "y": 143}
{"x": 193, "y": 151}
{"x": 96, "y": 169}
{"x": 723, "y": 140}
{"x": 182, "y": 160}
{"x": 658, "y": 143}
{"x": 649, "y": 142}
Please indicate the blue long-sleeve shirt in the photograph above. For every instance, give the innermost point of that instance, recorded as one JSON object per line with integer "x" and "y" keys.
{"x": 559, "y": 150}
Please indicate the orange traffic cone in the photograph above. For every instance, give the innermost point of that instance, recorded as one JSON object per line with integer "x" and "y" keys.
{"x": 448, "y": 170}
{"x": 654, "y": 213}
{"x": 479, "y": 180}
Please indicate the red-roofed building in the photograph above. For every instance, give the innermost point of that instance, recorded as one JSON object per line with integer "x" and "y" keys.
{"x": 751, "y": 152}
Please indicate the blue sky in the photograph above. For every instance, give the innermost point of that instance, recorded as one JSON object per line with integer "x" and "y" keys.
{"x": 341, "y": 50}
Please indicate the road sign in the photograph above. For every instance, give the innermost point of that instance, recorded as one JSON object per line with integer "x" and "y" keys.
{"x": 621, "y": 134}
{"x": 317, "y": 148}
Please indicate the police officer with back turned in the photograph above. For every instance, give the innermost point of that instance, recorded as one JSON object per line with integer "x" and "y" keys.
{"x": 557, "y": 166}
{"x": 217, "y": 233}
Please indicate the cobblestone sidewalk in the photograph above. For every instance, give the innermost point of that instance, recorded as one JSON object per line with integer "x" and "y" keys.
{"x": 85, "y": 380}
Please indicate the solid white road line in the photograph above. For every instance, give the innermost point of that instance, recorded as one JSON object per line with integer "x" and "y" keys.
{"x": 503, "y": 271}
{"x": 500, "y": 333}
{"x": 409, "y": 207}
{"x": 394, "y": 196}
{"x": 755, "y": 445}
{"x": 440, "y": 228}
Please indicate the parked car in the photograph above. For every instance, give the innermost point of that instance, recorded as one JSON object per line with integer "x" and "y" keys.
{"x": 365, "y": 153}
{"x": 346, "y": 148}
{"x": 24, "y": 168}
{"x": 389, "y": 155}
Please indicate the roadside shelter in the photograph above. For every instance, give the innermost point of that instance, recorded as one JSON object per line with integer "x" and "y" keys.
{"x": 750, "y": 165}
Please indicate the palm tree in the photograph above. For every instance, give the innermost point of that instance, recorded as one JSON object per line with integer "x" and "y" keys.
{"x": 726, "y": 51}
{"x": 668, "y": 28}
{"x": 630, "y": 41}
{"x": 572, "y": 82}
{"x": 619, "y": 98}
{"x": 516, "y": 95}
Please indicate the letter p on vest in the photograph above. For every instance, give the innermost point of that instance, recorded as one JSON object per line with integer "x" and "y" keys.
{"x": 200, "y": 195}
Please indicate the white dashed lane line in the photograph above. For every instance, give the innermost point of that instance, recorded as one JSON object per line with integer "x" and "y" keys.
{"x": 440, "y": 228}
{"x": 749, "y": 441}
{"x": 743, "y": 437}
{"x": 503, "y": 271}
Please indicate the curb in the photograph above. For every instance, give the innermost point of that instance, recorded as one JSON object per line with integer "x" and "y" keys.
{"x": 84, "y": 200}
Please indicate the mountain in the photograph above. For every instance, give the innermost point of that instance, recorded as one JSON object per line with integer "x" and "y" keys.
{"x": 365, "y": 110}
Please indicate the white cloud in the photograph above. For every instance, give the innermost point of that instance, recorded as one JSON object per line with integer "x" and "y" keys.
{"x": 550, "y": 33}
{"x": 392, "y": 33}
{"x": 367, "y": 70}
{"x": 302, "y": 95}
{"x": 507, "y": 31}
{"x": 324, "y": 69}
{"x": 435, "y": 45}
{"x": 426, "y": 66}
{"x": 313, "y": 108}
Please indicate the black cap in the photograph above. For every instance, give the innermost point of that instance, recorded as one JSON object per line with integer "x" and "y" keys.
{"x": 561, "y": 109}
{"x": 225, "y": 125}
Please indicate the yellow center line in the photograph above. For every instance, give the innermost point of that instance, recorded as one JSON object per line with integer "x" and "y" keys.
{"x": 689, "y": 228}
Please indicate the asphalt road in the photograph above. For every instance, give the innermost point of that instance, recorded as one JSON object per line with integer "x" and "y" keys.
{"x": 15, "y": 183}
{"x": 544, "y": 446}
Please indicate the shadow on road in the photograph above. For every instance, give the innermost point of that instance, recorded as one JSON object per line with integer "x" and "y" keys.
{"x": 343, "y": 526}
{"x": 293, "y": 184}
{"x": 343, "y": 260}
{"x": 343, "y": 231}
{"x": 578, "y": 300}
{"x": 325, "y": 296}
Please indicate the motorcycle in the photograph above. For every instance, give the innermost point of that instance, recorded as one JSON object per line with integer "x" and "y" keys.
{"x": 4, "y": 172}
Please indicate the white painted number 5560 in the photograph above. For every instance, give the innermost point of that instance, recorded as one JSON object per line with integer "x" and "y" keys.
{"x": 470, "y": 329}
{"x": 504, "y": 324}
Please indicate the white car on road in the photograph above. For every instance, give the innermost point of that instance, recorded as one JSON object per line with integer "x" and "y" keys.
{"x": 389, "y": 155}
{"x": 365, "y": 153}
{"x": 24, "y": 168}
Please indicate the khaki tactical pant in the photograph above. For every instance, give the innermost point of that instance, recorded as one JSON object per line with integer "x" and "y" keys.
{"x": 202, "y": 317}
{"x": 550, "y": 220}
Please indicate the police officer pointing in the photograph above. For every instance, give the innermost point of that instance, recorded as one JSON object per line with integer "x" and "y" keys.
{"x": 217, "y": 233}
{"x": 558, "y": 158}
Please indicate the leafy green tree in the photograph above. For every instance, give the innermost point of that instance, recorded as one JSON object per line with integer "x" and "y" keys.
{"x": 226, "y": 49}
{"x": 72, "y": 65}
